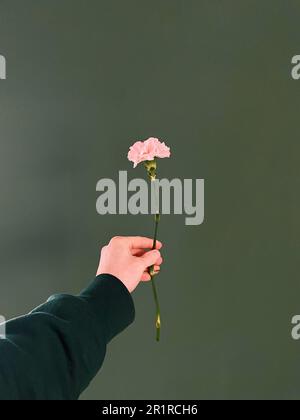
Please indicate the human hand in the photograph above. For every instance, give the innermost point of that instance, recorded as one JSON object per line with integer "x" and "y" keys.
{"x": 128, "y": 259}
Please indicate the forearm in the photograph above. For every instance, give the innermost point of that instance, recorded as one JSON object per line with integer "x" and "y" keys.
{"x": 55, "y": 351}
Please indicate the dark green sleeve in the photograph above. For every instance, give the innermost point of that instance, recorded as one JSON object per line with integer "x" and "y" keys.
{"x": 56, "y": 350}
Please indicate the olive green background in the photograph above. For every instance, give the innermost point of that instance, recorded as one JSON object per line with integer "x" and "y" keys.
{"x": 213, "y": 79}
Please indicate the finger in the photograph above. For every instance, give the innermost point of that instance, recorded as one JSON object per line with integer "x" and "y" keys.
{"x": 159, "y": 261}
{"x": 138, "y": 252}
{"x": 141, "y": 252}
{"x": 142, "y": 242}
{"x": 150, "y": 258}
{"x": 156, "y": 268}
{"x": 145, "y": 277}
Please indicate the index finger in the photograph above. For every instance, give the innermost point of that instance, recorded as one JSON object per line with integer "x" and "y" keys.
{"x": 143, "y": 242}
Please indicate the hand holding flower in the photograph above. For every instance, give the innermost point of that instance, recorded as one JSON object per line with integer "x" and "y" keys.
{"x": 128, "y": 259}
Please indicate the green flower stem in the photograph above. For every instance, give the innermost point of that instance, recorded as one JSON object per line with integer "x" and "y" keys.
{"x": 151, "y": 170}
{"x": 152, "y": 274}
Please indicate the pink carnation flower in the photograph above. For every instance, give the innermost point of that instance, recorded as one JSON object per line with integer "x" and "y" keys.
{"x": 147, "y": 150}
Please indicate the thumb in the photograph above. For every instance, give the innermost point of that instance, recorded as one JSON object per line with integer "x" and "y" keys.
{"x": 150, "y": 258}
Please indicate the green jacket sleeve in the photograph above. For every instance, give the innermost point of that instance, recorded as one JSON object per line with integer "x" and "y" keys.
{"x": 55, "y": 351}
